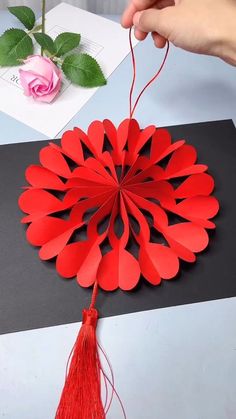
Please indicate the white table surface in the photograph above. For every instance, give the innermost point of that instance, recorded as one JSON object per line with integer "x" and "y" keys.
{"x": 177, "y": 362}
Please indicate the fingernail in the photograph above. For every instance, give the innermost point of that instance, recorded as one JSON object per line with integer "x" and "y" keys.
{"x": 136, "y": 18}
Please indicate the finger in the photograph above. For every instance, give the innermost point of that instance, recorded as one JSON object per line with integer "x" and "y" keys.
{"x": 140, "y": 35}
{"x": 144, "y": 4}
{"x": 153, "y": 20}
{"x": 127, "y": 17}
{"x": 133, "y": 7}
{"x": 163, "y": 3}
{"x": 159, "y": 40}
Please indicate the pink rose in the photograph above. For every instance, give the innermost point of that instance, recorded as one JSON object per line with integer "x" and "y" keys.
{"x": 40, "y": 78}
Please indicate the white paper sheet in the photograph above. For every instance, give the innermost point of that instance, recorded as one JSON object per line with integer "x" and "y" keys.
{"x": 100, "y": 37}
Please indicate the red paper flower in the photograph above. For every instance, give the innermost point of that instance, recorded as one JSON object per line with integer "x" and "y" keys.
{"x": 118, "y": 177}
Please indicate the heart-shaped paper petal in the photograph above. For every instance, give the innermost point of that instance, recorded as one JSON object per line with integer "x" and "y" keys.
{"x": 96, "y": 136}
{"x": 170, "y": 149}
{"x": 153, "y": 172}
{"x": 157, "y": 261}
{"x": 122, "y": 133}
{"x": 181, "y": 159}
{"x": 118, "y": 268}
{"x": 40, "y": 177}
{"x": 98, "y": 167}
{"x": 81, "y": 259}
{"x": 71, "y": 145}
{"x": 38, "y": 200}
{"x": 52, "y": 159}
{"x": 160, "y": 142}
{"x": 199, "y": 184}
{"x": 111, "y": 132}
{"x": 86, "y": 173}
{"x": 45, "y": 229}
{"x": 199, "y": 207}
{"x": 180, "y": 251}
{"x": 143, "y": 137}
{"x": 133, "y": 134}
{"x": 189, "y": 235}
{"x": 53, "y": 247}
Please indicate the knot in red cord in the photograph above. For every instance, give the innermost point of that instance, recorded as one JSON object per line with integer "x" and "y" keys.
{"x": 90, "y": 317}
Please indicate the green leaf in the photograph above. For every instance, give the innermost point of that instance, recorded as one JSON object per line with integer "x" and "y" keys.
{"x": 45, "y": 41}
{"x": 15, "y": 45}
{"x": 65, "y": 42}
{"x": 83, "y": 70}
{"x": 24, "y": 14}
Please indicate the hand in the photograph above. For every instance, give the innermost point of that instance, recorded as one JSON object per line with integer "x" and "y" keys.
{"x": 201, "y": 26}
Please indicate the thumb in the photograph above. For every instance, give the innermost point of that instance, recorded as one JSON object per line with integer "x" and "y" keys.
{"x": 154, "y": 20}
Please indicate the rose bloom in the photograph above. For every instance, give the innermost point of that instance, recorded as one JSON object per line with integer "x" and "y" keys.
{"x": 40, "y": 78}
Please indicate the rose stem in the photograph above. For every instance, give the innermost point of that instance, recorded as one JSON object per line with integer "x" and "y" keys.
{"x": 43, "y": 19}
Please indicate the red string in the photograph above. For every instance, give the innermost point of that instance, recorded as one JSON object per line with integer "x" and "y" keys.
{"x": 107, "y": 403}
{"x": 132, "y": 109}
{"x": 112, "y": 383}
{"x": 94, "y": 295}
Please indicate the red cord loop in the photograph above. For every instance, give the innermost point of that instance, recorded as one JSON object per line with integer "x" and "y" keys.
{"x": 132, "y": 108}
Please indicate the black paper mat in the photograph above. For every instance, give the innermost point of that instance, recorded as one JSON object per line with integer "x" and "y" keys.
{"x": 32, "y": 295}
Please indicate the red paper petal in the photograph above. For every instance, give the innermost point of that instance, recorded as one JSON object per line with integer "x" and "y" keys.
{"x": 98, "y": 167}
{"x": 181, "y": 160}
{"x": 181, "y": 251}
{"x": 81, "y": 259}
{"x": 191, "y": 170}
{"x": 45, "y": 229}
{"x": 158, "y": 214}
{"x": 93, "y": 203}
{"x": 160, "y": 142}
{"x": 84, "y": 173}
{"x": 199, "y": 207}
{"x": 123, "y": 133}
{"x": 96, "y": 136}
{"x": 143, "y": 137}
{"x": 138, "y": 166}
{"x": 170, "y": 149}
{"x": 144, "y": 231}
{"x": 157, "y": 261}
{"x": 53, "y": 247}
{"x": 37, "y": 201}
{"x": 161, "y": 191}
{"x": 189, "y": 235}
{"x": 71, "y": 145}
{"x": 118, "y": 268}
{"x": 119, "y": 208}
{"x": 153, "y": 172}
{"x": 133, "y": 134}
{"x": 108, "y": 162}
{"x": 53, "y": 160}
{"x": 111, "y": 133}
{"x": 39, "y": 177}
{"x": 200, "y": 184}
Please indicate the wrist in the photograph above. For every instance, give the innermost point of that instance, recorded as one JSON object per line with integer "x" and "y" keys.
{"x": 226, "y": 46}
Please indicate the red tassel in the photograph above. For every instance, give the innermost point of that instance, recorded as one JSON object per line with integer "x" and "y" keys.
{"x": 81, "y": 396}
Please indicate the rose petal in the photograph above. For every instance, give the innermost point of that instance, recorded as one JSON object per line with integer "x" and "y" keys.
{"x": 38, "y": 65}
